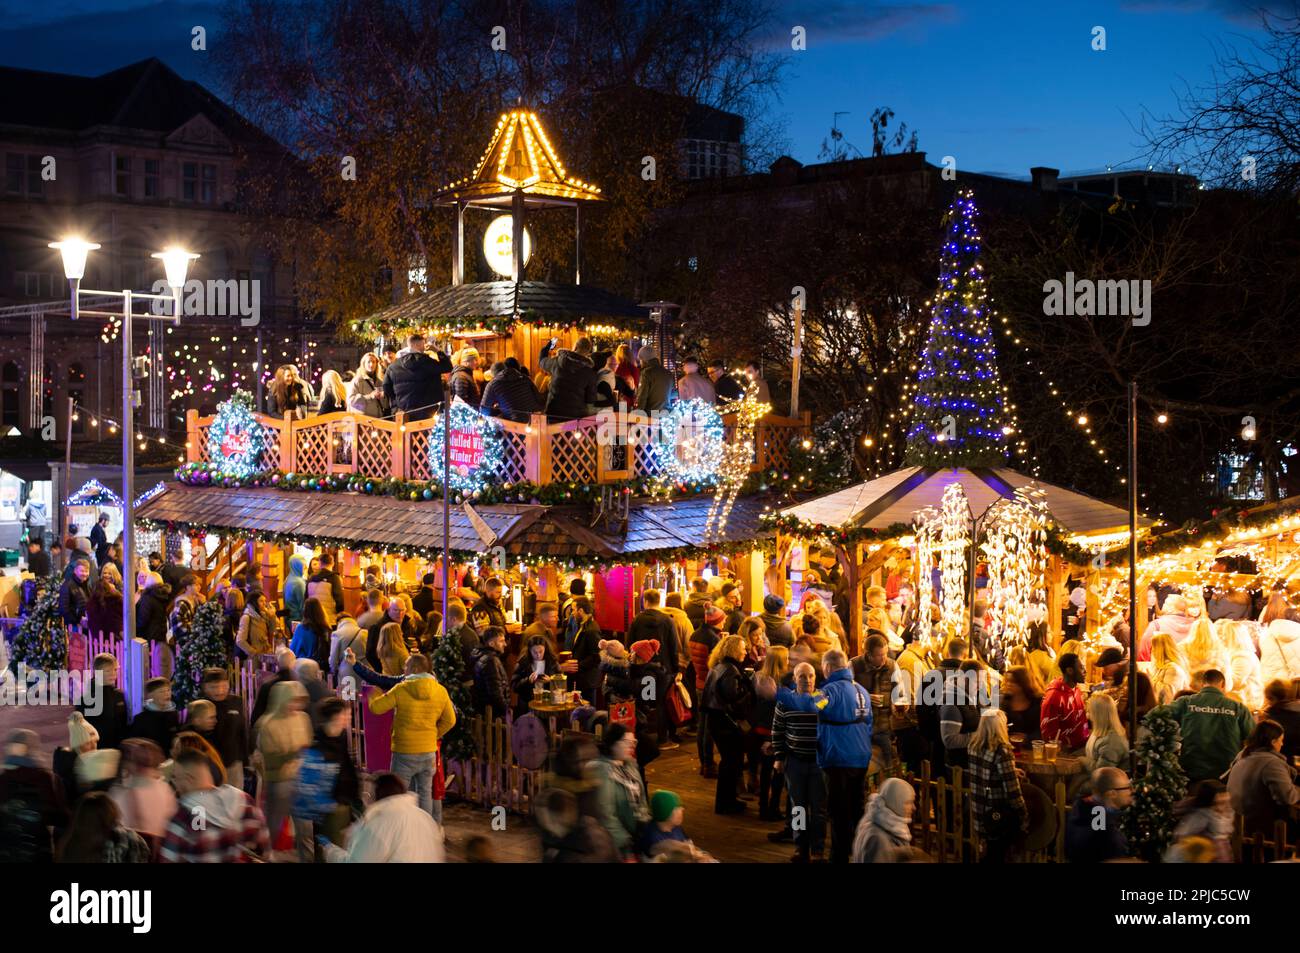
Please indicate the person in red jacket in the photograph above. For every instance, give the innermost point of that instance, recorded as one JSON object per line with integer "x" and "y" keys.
{"x": 1064, "y": 716}
{"x": 701, "y": 645}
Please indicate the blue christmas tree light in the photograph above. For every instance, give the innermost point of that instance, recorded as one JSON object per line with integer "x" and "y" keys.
{"x": 959, "y": 408}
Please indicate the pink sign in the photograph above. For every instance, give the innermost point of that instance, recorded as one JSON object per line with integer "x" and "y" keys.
{"x": 466, "y": 450}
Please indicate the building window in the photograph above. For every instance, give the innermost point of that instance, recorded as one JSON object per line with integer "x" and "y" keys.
{"x": 34, "y": 284}
{"x": 23, "y": 174}
{"x": 11, "y": 378}
{"x": 151, "y": 179}
{"x": 122, "y": 176}
{"x": 199, "y": 182}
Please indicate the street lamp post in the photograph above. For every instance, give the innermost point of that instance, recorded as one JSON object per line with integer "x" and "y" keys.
{"x": 1132, "y": 574}
{"x": 176, "y": 263}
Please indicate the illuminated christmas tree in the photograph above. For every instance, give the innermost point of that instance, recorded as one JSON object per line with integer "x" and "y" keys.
{"x": 959, "y": 415}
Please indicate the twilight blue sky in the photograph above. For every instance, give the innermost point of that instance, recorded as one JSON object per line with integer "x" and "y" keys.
{"x": 1000, "y": 84}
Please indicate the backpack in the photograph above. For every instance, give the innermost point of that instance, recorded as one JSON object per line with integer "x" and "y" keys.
{"x": 314, "y": 798}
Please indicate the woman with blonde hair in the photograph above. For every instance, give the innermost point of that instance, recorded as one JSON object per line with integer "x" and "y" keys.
{"x": 392, "y": 650}
{"x": 366, "y": 389}
{"x": 831, "y": 626}
{"x": 726, "y": 701}
{"x": 461, "y": 383}
{"x": 998, "y": 805}
{"x": 1108, "y": 744}
{"x": 1243, "y": 663}
{"x": 1169, "y": 674}
{"x": 333, "y": 395}
{"x": 771, "y": 675}
{"x": 1204, "y": 651}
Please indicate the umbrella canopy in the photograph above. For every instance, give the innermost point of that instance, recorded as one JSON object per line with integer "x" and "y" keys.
{"x": 898, "y": 496}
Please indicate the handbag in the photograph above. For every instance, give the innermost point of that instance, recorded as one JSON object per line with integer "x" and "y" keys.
{"x": 679, "y": 707}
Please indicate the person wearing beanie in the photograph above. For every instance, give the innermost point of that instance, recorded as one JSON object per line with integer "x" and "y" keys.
{"x": 77, "y": 765}
{"x": 653, "y": 725}
{"x": 644, "y": 651}
{"x": 775, "y": 622}
{"x": 703, "y": 641}
{"x": 655, "y": 390}
{"x": 615, "y": 673}
{"x": 666, "y": 813}
{"x": 33, "y": 797}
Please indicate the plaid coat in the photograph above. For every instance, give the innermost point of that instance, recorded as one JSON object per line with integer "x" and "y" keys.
{"x": 214, "y": 845}
{"x": 995, "y": 790}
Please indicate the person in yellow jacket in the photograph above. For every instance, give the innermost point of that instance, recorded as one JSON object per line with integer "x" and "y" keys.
{"x": 422, "y": 713}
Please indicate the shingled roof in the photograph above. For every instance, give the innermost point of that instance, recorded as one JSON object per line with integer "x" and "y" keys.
{"x": 507, "y": 299}
{"x": 561, "y": 533}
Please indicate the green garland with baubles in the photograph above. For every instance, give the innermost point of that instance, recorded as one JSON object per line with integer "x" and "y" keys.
{"x": 374, "y": 329}
{"x": 42, "y": 640}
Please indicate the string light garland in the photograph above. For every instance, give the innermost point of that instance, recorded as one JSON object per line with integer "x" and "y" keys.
{"x": 959, "y": 409}
{"x": 1014, "y": 547}
{"x": 370, "y": 330}
{"x": 477, "y": 450}
{"x": 737, "y": 457}
{"x": 93, "y": 493}
{"x": 691, "y": 443}
{"x": 235, "y": 438}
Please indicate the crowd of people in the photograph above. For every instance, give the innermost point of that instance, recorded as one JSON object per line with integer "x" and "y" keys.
{"x": 570, "y": 383}
{"x": 782, "y": 714}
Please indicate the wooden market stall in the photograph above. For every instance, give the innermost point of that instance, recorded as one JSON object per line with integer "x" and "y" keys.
{"x": 869, "y": 522}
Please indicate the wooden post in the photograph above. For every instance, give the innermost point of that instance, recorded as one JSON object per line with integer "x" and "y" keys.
{"x": 192, "y": 451}
{"x": 1055, "y": 566}
{"x": 796, "y": 357}
{"x": 350, "y": 570}
{"x": 750, "y": 567}
{"x": 548, "y": 584}
{"x": 854, "y": 556}
{"x": 287, "y": 462}
{"x": 539, "y": 450}
{"x": 397, "y": 463}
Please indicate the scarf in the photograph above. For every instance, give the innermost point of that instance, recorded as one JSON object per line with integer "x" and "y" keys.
{"x": 629, "y": 777}
{"x": 883, "y": 808}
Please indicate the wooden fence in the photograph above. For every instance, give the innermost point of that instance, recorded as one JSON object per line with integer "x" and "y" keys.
{"x": 943, "y": 826}
{"x": 541, "y": 452}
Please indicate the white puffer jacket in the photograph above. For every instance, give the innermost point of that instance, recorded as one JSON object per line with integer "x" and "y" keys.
{"x": 1279, "y": 651}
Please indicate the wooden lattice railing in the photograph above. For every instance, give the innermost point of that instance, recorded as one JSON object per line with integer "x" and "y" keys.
{"x": 538, "y": 451}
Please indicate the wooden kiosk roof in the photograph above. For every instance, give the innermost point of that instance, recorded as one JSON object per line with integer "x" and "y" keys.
{"x": 557, "y": 532}
{"x": 556, "y": 303}
{"x": 897, "y": 496}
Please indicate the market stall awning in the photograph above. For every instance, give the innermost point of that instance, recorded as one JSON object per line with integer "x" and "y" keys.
{"x": 540, "y": 300}
{"x": 381, "y": 521}
{"x": 561, "y": 533}
{"x": 898, "y": 496}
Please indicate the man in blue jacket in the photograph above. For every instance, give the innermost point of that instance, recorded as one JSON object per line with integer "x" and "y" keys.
{"x": 843, "y": 708}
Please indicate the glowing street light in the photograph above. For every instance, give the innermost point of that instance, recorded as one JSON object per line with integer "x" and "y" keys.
{"x": 176, "y": 261}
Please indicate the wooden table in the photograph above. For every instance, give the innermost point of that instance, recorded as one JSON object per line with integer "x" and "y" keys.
{"x": 1044, "y": 774}
{"x": 552, "y": 713}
